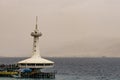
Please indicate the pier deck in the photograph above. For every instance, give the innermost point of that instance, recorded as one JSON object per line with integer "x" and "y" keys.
{"x": 13, "y": 71}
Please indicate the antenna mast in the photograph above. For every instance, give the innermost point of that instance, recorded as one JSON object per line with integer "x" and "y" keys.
{"x": 36, "y": 22}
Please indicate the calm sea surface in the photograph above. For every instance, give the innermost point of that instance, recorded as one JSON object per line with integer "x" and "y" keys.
{"x": 79, "y": 68}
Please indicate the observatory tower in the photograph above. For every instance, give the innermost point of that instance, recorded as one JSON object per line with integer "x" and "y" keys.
{"x": 36, "y": 61}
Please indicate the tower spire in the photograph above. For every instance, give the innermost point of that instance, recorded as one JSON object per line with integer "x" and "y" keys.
{"x": 36, "y": 22}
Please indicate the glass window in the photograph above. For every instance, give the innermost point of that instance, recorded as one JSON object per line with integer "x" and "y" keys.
{"x": 23, "y": 64}
{"x": 48, "y": 64}
{"x": 39, "y": 64}
{"x": 30, "y": 64}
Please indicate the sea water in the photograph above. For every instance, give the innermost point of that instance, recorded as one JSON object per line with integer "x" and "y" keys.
{"x": 78, "y": 68}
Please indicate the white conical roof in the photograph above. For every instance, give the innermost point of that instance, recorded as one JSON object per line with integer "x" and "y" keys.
{"x": 36, "y": 60}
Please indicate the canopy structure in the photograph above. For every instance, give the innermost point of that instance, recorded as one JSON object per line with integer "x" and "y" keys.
{"x": 36, "y": 61}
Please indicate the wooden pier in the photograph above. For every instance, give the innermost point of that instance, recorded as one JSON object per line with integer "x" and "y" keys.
{"x": 13, "y": 71}
{"x": 38, "y": 75}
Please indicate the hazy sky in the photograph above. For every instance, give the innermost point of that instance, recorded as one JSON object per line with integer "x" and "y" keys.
{"x": 76, "y": 28}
